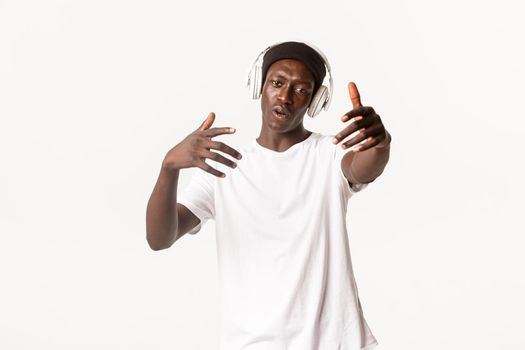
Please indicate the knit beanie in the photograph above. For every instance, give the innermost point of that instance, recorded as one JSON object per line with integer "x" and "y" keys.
{"x": 297, "y": 51}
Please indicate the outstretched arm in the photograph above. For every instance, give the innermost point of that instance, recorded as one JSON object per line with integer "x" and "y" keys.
{"x": 369, "y": 149}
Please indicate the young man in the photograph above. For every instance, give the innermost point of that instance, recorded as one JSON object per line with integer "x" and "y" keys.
{"x": 280, "y": 211}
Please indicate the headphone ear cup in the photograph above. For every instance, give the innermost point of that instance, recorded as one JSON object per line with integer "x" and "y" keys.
{"x": 257, "y": 88}
{"x": 252, "y": 87}
{"x": 318, "y": 101}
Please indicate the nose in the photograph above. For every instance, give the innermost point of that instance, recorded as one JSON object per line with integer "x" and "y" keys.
{"x": 285, "y": 94}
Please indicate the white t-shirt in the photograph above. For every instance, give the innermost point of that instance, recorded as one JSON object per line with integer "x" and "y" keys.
{"x": 285, "y": 271}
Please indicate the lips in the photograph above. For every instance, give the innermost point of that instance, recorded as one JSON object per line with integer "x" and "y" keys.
{"x": 281, "y": 112}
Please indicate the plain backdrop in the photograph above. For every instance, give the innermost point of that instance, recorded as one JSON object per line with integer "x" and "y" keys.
{"x": 93, "y": 94}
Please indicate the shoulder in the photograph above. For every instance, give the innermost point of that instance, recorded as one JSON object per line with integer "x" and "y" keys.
{"x": 323, "y": 142}
{"x": 323, "y": 138}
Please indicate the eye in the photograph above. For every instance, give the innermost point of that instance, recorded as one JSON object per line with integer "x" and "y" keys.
{"x": 276, "y": 83}
{"x": 302, "y": 91}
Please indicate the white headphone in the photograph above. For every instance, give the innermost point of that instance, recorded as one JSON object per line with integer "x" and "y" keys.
{"x": 321, "y": 99}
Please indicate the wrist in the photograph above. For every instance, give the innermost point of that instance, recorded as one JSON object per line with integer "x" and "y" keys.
{"x": 386, "y": 142}
{"x": 167, "y": 170}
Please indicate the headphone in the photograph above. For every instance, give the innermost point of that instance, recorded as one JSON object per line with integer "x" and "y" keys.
{"x": 321, "y": 99}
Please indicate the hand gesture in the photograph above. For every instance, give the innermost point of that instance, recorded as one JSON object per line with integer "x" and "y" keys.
{"x": 197, "y": 146}
{"x": 365, "y": 120}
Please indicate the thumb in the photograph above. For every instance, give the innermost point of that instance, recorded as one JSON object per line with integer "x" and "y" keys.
{"x": 207, "y": 122}
{"x": 354, "y": 95}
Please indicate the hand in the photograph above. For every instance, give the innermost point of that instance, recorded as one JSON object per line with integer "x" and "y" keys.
{"x": 365, "y": 120}
{"x": 196, "y": 147}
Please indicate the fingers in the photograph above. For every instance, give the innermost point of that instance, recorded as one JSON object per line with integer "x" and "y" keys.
{"x": 205, "y": 144}
{"x": 219, "y": 158}
{"x": 359, "y": 123}
{"x": 219, "y": 131}
{"x": 369, "y": 143}
{"x": 211, "y": 132}
{"x": 224, "y": 148}
{"x": 207, "y": 122}
{"x": 215, "y": 157}
{"x": 367, "y": 124}
{"x": 209, "y": 169}
{"x": 372, "y": 136}
{"x": 359, "y": 111}
{"x": 354, "y": 95}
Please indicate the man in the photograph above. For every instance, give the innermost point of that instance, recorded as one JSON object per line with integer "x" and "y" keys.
{"x": 280, "y": 211}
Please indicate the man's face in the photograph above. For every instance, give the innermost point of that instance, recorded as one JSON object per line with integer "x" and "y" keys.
{"x": 286, "y": 94}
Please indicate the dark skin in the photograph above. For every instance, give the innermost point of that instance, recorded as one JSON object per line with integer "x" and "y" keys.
{"x": 288, "y": 88}
{"x": 287, "y": 92}
{"x": 370, "y": 148}
{"x": 167, "y": 220}
{"x": 289, "y": 85}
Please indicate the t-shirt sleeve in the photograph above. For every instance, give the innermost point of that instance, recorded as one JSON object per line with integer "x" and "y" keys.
{"x": 199, "y": 197}
{"x": 338, "y": 155}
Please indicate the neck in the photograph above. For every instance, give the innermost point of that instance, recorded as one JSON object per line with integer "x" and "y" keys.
{"x": 280, "y": 142}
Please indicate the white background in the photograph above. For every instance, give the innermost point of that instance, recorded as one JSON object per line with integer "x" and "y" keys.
{"x": 93, "y": 94}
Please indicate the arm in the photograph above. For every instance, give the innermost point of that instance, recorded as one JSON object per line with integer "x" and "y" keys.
{"x": 365, "y": 166}
{"x": 367, "y": 160}
{"x": 164, "y": 225}
{"x": 167, "y": 220}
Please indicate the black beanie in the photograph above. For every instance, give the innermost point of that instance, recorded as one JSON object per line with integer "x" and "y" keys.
{"x": 297, "y": 51}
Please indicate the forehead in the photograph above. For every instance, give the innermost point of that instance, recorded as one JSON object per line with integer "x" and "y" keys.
{"x": 291, "y": 69}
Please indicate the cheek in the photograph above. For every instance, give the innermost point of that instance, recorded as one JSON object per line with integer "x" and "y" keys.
{"x": 264, "y": 103}
{"x": 304, "y": 101}
{"x": 267, "y": 92}
{"x": 266, "y": 97}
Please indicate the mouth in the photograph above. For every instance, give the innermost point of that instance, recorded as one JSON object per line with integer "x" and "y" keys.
{"x": 281, "y": 112}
